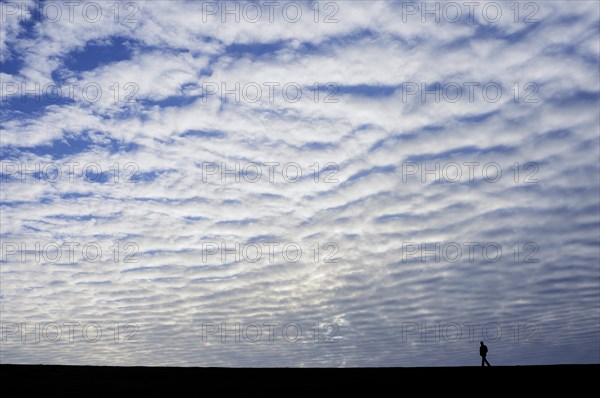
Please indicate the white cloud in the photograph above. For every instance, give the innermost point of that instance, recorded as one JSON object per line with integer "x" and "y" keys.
{"x": 177, "y": 208}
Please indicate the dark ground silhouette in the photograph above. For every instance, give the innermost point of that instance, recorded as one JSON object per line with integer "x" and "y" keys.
{"x": 107, "y": 381}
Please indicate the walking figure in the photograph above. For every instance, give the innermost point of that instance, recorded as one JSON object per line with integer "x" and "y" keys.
{"x": 483, "y": 350}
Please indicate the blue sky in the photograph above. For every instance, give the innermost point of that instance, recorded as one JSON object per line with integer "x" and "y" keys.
{"x": 170, "y": 129}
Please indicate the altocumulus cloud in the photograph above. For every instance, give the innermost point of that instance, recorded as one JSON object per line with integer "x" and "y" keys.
{"x": 347, "y": 183}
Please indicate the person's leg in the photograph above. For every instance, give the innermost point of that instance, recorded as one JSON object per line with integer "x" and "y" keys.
{"x": 482, "y": 361}
{"x": 486, "y": 361}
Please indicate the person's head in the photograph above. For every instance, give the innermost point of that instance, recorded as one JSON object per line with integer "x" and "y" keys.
{"x": 481, "y": 342}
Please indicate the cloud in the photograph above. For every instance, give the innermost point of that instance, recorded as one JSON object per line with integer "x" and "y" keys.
{"x": 192, "y": 176}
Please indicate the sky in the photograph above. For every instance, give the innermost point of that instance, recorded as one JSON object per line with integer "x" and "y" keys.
{"x": 299, "y": 184}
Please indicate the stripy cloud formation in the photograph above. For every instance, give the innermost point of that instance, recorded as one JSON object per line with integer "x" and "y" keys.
{"x": 327, "y": 183}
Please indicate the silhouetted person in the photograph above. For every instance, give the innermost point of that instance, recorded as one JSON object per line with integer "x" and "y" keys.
{"x": 483, "y": 352}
